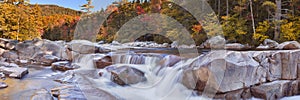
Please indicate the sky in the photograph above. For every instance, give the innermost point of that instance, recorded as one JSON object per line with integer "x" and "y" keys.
{"x": 74, "y": 4}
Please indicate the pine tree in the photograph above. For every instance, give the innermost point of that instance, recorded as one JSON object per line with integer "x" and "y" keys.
{"x": 87, "y": 7}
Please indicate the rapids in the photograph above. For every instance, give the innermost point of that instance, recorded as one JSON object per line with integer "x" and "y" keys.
{"x": 163, "y": 83}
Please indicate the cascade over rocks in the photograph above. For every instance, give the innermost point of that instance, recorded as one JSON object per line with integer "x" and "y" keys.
{"x": 270, "y": 74}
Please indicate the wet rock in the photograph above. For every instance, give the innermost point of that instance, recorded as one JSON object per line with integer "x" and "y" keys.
{"x": 125, "y": 75}
{"x": 48, "y": 59}
{"x": 2, "y": 51}
{"x": 274, "y": 90}
{"x": 10, "y": 55}
{"x": 103, "y": 62}
{"x": 166, "y": 45}
{"x": 6, "y": 64}
{"x": 174, "y": 44}
{"x": 82, "y": 47}
{"x": 217, "y": 42}
{"x": 64, "y": 66}
{"x": 262, "y": 47}
{"x": 2, "y": 76}
{"x": 100, "y": 49}
{"x": 289, "y": 45}
{"x": 66, "y": 77}
{"x": 14, "y": 72}
{"x": 3, "y": 85}
{"x": 115, "y": 43}
{"x": 270, "y": 43}
{"x": 68, "y": 92}
{"x": 170, "y": 61}
{"x": 239, "y": 70}
{"x": 41, "y": 94}
{"x": 235, "y": 46}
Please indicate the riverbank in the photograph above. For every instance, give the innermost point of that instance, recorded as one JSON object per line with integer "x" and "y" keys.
{"x": 45, "y": 70}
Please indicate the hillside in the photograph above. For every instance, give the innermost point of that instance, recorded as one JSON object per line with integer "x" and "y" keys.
{"x": 48, "y": 10}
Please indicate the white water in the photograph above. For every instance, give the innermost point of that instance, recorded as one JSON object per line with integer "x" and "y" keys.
{"x": 164, "y": 85}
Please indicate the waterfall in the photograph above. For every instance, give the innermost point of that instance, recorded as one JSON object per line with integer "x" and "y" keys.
{"x": 164, "y": 86}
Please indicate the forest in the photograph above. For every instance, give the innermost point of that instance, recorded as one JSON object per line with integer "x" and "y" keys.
{"x": 243, "y": 21}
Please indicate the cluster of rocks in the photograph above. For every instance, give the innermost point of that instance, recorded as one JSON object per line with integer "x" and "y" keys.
{"x": 243, "y": 74}
{"x": 16, "y": 57}
{"x": 219, "y": 42}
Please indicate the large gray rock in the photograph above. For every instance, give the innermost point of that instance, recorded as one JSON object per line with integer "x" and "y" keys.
{"x": 45, "y": 59}
{"x": 66, "y": 77}
{"x": 224, "y": 72}
{"x": 217, "y": 42}
{"x": 82, "y": 46}
{"x": 14, "y": 72}
{"x": 41, "y": 94}
{"x": 10, "y": 55}
{"x": 27, "y": 50}
{"x": 269, "y": 60}
{"x": 290, "y": 62}
{"x": 55, "y": 48}
{"x": 270, "y": 43}
{"x": 126, "y": 75}
{"x": 289, "y": 45}
{"x": 275, "y": 90}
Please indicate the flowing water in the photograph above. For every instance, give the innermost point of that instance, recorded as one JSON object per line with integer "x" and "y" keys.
{"x": 163, "y": 83}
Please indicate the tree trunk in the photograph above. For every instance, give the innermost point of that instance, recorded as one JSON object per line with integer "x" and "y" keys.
{"x": 219, "y": 7}
{"x": 227, "y": 8}
{"x": 252, "y": 17}
{"x": 277, "y": 20}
